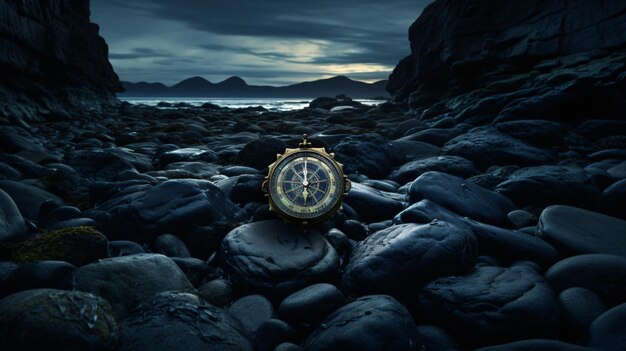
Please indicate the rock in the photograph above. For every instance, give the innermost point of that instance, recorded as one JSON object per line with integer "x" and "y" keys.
{"x": 577, "y": 231}
{"x": 454, "y": 165}
{"x": 78, "y": 52}
{"x": 579, "y": 307}
{"x": 195, "y": 269}
{"x": 187, "y": 154}
{"x": 48, "y": 319}
{"x": 491, "y": 305}
{"x": 603, "y": 274}
{"x": 71, "y": 223}
{"x": 434, "y": 338}
{"x": 261, "y": 153}
{"x": 409, "y": 253}
{"x": 368, "y": 154}
{"x": 311, "y": 304}
{"x": 129, "y": 280}
{"x": 612, "y": 201}
{"x": 329, "y": 103}
{"x": 535, "y": 132}
{"x": 271, "y": 333}
{"x": 277, "y": 259}
{"x": 485, "y": 147}
{"x": 174, "y": 206}
{"x": 171, "y": 246}
{"x": 464, "y": 198}
{"x": 608, "y": 332}
{"x": 98, "y": 164}
{"x": 76, "y": 245}
{"x": 252, "y": 311}
{"x": 373, "y": 205}
{"x": 35, "y": 275}
{"x": 28, "y": 198}
{"x": 618, "y": 171}
{"x": 476, "y": 38}
{"x": 520, "y": 218}
{"x": 167, "y": 322}
{"x": 549, "y": 185}
{"x": 124, "y": 248}
{"x": 535, "y": 344}
{"x": 12, "y": 226}
{"x": 510, "y": 246}
{"x": 347, "y": 328}
{"x": 217, "y": 292}
{"x": 435, "y": 136}
{"x": 287, "y": 346}
{"x": 243, "y": 188}
{"x": 415, "y": 150}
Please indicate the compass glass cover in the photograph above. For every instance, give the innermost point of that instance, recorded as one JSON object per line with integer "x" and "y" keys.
{"x": 306, "y": 185}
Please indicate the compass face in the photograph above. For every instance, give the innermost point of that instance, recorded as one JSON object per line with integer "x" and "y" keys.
{"x": 306, "y": 185}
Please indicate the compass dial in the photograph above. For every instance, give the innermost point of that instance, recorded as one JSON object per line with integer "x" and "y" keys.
{"x": 306, "y": 185}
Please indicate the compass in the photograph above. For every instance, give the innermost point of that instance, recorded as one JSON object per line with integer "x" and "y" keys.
{"x": 306, "y": 184}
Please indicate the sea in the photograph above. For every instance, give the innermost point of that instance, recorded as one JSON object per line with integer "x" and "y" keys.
{"x": 272, "y": 104}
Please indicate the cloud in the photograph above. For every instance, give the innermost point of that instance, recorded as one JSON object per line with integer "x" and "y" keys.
{"x": 173, "y": 39}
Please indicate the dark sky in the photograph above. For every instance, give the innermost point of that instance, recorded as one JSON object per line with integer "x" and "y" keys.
{"x": 264, "y": 42}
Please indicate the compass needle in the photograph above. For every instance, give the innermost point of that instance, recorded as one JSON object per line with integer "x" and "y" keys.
{"x": 305, "y": 184}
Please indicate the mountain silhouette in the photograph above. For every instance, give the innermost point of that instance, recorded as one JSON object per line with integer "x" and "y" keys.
{"x": 237, "y": 87}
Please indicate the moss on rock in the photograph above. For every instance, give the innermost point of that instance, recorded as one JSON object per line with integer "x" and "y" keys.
{"x": 76, "y": 245}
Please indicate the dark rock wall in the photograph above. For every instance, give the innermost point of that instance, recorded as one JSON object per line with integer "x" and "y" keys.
{"x": 52, "y": 60}
{"x": 460, "y": 38}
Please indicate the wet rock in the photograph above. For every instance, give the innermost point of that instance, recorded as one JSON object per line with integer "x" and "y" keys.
{"x": 217, "y": 292}
{"x": 56, "y": 320}
{"x": 28, "y": 198}
{"x": 535, "y": 132}
{"x": 535, "y": 344}
{"x": 464, "y": 198}
{"x": 409, "y": 253}
{"x": 373, "y": 205}
{"x": 174, "y": 206}
{"x": 612, "y": 201}
{"x": 11, "y": 222}
{"x": 252, "y": 311}
{"x": 368, "y": 154}
{"x": 167, "y": 322}
{"x": 491, "y": 305}
{"x": 485, "y": 147}
{"x": 187, "y": 154}
{"x": 170, "y": 246}
{"x": 129, "y": 280}
{"x": 547, "y": 185}
{"x": 124, "y": 248}
{"x": 348, "y": 327}
{"x": 195, "y": 269}
{"x": 35, "y": 275}
{"x": 311, "y": 304}
{"x": 603, "y": 274}
{"x": 454, "y": 165}
{"x": 579, "y": 307}
{"x": 435, "y": 338}
{"x": 277, "y": 259}
{"x": 272, "y": 333}
{"x": 520, "y": 218}
{"x": 77, "y": 245}
{"x": 608, "y": 331}
{"x": 98, "y": 164}
{"x": 260, "y": 153}
{"x": 579, "y": 231}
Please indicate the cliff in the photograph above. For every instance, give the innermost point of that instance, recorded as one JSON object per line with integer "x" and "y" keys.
{"x": 53, "y": 61}
{"x": 455, "y": 41}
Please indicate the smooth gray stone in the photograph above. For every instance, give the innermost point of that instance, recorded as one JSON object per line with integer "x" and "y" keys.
{"x": 578, "y": 231}
{"x": 352, "y": 327}
{"x": 127, "y": 281}
{"x": 462, "y": 197}
{"x": 277, "y": 259}
{"x": 608, "y": 331}
{"x": 603, "y": 274}
{"x": 11, "y": 222}
{"x": 252, "y": 311}
{"x": 397, "y": 260}
{"x": 311, "y": 304}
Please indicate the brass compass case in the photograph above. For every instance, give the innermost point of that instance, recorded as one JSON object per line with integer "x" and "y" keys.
{"x": 305, "y": 185}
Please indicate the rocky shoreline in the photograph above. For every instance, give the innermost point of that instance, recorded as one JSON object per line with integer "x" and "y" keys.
{"x": 487, "y": 211}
